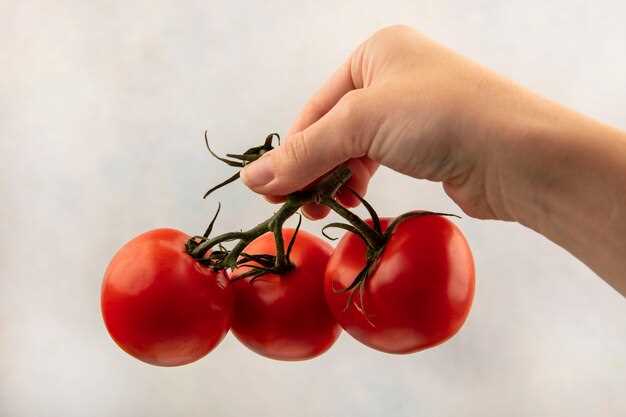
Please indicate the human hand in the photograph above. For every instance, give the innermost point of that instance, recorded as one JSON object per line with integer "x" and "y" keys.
{"x": 408, "y": 103}
{"x": 500, "y": 151}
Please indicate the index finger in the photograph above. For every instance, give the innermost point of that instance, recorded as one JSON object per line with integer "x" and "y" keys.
{"x": 325, "y": 99}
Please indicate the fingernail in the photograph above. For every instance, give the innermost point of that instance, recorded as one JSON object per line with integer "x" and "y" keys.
{"x": 260, "y": 172}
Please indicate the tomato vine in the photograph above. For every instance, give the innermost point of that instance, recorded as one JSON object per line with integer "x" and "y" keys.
{"x": 323, "y": 192}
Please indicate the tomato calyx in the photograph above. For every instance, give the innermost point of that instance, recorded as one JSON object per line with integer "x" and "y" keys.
{"x": 260, "y": 265}
{"x": 375, "y": 249}
{"x": 374, "y": 240}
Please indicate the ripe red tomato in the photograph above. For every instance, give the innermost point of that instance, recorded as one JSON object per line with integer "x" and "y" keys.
{"x": 417, "y": 295}
{"x": 285, "y": 316}
{"x": 160, "y": 305}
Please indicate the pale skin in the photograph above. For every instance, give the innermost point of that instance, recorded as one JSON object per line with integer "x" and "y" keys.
{"x": 500, "y": 151}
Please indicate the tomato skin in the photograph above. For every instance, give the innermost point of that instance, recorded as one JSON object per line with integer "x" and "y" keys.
{"x": 419, "y": 293}
{"x": 160, "y": 305}
{"x": 285, "y": 317}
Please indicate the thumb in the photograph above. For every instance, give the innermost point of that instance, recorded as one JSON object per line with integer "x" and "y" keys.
{"x": 339, "y": 135}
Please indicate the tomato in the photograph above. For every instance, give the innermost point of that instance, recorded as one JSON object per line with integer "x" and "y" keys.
{"x": 160, "y": 305}
{"x": 418, "y": 293}
{"x": 285, "y": 316}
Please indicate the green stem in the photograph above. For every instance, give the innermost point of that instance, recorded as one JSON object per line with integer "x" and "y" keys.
{"x": 276, "y": 227}
{"x": 202, "y": 248}
{"x": 321, "y": 193}
{"x": 373, "y": 238}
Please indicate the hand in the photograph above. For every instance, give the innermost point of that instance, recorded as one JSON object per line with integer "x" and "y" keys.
{"x": 500, "y": 151}
{"x": 408, "y": 103}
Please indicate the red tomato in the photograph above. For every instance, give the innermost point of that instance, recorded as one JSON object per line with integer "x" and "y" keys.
{"x": 285, "y": 316}
{"x": 160, "y": 305}
{"x": 417, "y": 295}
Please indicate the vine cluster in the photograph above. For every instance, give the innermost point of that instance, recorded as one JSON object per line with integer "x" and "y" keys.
{"x": 211, "y": 252}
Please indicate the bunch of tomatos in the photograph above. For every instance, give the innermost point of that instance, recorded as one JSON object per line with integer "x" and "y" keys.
{"x": 163, "y": 307}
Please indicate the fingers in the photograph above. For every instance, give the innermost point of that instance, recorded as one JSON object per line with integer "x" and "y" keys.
{"x": 275, "y": 198}
{"x": 341, "y": 134}
{"x": 361, "y": 176}
{"x": 362, "y": 171}
{"x": 314, "y": 211}
{"x": 331, "y": 96}
{"x": 328, "y": 95}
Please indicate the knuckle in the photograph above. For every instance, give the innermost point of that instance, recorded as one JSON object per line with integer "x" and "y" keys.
{"x": 397, "y": 40}
{"x": 392, "y": 31}
{"x": 352, "y": 115}
{"x": 349, "y": 106}
{"x": 314, "y": 109}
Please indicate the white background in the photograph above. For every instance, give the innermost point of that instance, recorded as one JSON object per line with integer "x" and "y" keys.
{"x": 102, "y": 109}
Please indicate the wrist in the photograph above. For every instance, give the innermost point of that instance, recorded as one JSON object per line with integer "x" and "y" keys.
{"x": 561, "y": 166}
{"x": 564, "y": 176}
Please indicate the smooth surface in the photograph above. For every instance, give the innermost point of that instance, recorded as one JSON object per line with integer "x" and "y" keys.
{"x": 285, "y": 317}
{"x": 160, "y": 305}
{"x": 102, "y": 109}
{"x": 418, "y": 292}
